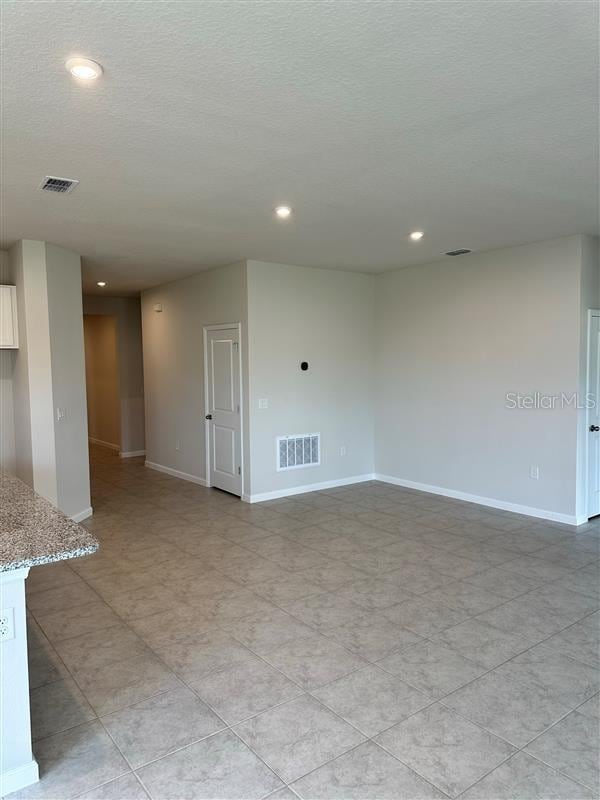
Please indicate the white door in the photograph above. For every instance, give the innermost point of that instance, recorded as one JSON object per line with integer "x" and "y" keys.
{"x": 593, "y": 419}
{"x": 223, "y": 409}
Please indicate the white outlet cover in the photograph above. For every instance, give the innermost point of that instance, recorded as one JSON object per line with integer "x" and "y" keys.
{"x": 263, "y": 402}
{"x": 7, "y": 624}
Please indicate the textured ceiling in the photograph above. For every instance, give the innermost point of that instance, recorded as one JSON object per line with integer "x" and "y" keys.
{"x": 474, "y": 121}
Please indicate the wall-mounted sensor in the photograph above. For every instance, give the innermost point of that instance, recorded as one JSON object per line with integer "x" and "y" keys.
{"x": 158, "y": 307}
{"x": 304, "y": 366}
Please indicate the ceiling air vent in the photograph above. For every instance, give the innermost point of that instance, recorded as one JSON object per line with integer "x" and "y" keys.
{"x": 462, "y": 251}
{"x": 60, "y": 185}
{"x": 301, "y": 450}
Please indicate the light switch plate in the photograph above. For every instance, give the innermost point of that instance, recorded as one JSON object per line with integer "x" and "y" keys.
{"x": 263, "y": 403}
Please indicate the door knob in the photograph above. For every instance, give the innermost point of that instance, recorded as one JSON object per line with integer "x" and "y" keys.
{"x": 594, "y": 428}
{"x": 209, "y": 416}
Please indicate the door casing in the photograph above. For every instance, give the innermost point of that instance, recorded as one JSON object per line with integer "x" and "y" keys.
{"x": 237, "y": 326}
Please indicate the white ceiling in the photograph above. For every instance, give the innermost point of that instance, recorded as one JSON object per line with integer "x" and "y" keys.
{"x": 474, "y": 121}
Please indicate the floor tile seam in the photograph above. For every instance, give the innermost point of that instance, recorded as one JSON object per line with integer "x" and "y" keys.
{"x": 275, "y": 771}
{"x": 133, "y": 768}
{"x": 494, "y": 668}
{"x": 549, "y": 636}
{"x": 430, "y": 781}
{"x": 578, "y": 781}
{"x": 103, "y": 784}
{"x": 380, "y": 747}
{"x": 517, "y": 747}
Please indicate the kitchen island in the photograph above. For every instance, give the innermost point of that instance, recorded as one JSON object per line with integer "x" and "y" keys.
{"x": 32, "y": 532}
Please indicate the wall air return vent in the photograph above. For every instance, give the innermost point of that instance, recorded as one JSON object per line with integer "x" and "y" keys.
{"x": 60, "y": 185}
{"x": 462, "y": 251}
{"x": 301, "y": 450}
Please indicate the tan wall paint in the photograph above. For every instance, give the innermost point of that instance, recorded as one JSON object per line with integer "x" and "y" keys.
{"x": 452, "y": 339}
{"x": 324, "y": 317}
{"x": 127, "y": 311}
{"x": 102, "y": 378}
{"x": 174, "y": 363}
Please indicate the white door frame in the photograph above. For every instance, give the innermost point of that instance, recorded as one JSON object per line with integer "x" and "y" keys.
{"x": 237, "y": 326}
{"x": 592, "y": 312}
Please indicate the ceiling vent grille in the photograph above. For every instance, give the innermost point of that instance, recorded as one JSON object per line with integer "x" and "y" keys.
{"x": 60, "y": 185}
{"x": 300, "y": 450}
{"x": 462, "y": 251}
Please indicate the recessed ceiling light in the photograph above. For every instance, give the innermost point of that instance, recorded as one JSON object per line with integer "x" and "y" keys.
{"x": 283, "y": 212}
{"x": 416, "y": 235}
{"x": 101, "y": 283}
{"x": 84, "y": 69}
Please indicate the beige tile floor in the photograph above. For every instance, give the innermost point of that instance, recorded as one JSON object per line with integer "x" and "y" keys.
{"x": 367, "y": 642}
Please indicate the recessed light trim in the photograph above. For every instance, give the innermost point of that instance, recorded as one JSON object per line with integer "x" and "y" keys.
{"x": 417, "y": 235}
{"x": 101, "y": 283}
{"x": 84, "y": 69}
{"x": 283, "y": 212}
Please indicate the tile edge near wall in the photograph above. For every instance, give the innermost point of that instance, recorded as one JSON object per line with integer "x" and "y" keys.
{"x": 185, "y": 476}
{"x": 87, "y": 512}
{"x": 311, "y": 487}
{"x": 490, "y": 502}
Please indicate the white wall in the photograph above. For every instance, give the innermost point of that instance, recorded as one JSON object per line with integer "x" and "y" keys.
{"x": 65, "y": 316}
{"x": 127, "y": 311}
{"x": 324, "y": 317}
{"x": 51, "y": 455}
{"x": 7, "y": 363}
{"x": 174, "y": 362}
{"x": 452, "y": 339}
{"x": 32, "y": 376}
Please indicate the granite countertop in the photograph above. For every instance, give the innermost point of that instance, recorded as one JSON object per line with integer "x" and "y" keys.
{"x": 33, "y": 532}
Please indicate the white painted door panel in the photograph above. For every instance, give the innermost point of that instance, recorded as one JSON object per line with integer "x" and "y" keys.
{"x": 593, "y": 432}
{"x": 223, "y": 380}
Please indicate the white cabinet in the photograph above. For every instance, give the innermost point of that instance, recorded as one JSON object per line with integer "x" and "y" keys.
{"x": 9, "y": 335}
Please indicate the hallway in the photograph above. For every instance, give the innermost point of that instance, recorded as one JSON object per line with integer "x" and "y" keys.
{"x": 364, "y": 642}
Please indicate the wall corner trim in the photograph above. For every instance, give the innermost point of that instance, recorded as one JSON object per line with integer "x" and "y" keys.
{"x": 490, "y": 502}
{"x": 132, "y": 453}
{"x": 312, "y": 487}
{"x": 100, "y": 443}
{"x": 81, "y": 515}
{"x": 19, "y": 777}
{"x": 185, "y": 476}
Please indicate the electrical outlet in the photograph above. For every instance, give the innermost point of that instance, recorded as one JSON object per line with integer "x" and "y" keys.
{"x": 343, "y": 450}
{"x": 61, "y": 414}
{"x": 263, "y": 402}
{"x": 534, "y": 473}
{"x": 7, "y": 624}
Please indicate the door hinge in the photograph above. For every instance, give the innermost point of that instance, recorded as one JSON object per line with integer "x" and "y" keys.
{"x": 239, "y": 470}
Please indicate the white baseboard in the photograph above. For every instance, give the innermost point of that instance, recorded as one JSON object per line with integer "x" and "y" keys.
{"x": 19, "y": 778}
{"x": 312, "y": 487}
{"x": 490, "y": 502}
{"x": 132, "y": 453}
{"x": 110, "y": 445}
{"x": 185, "y": 476}
{"x": 87, "y": 512}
